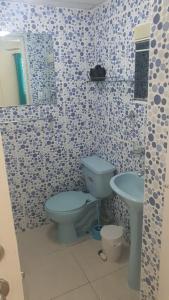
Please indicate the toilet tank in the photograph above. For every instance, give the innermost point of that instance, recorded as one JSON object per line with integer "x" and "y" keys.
{"x": 98, "y": 173}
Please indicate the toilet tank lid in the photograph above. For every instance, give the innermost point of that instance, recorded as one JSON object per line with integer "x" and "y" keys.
{"x": 97, "y": 165}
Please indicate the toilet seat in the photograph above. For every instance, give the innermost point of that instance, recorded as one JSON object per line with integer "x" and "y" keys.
{"x": 67, "y": 201}
{"x": 66, "y": 210}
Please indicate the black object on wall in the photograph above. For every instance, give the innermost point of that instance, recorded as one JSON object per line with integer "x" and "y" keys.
{"x": 141, "y": 70}
{"x": 98, "y": 73}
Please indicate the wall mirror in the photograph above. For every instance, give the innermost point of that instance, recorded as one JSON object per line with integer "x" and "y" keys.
{"x": 27, "y": 73}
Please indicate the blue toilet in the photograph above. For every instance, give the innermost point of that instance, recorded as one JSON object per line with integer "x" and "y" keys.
{"x": 74, "y": 212}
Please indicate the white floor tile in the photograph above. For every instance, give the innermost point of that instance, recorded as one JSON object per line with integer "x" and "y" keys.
{"x": 115, "y": 287}
{"x": 55, "y": 271}
{"x": 42, "y": 239}
{"x": 57, "y": 274}
{"x": 88, "y": 247}
{"x": 83, "y": 293}
{"x": 35, "y": 244}
{"x": 90, "y": 262}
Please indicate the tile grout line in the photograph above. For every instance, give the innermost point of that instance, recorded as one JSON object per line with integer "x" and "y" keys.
{"x": 71, "y": 290}
{"x": 89, "y": 282}
{"x": 93, "y": 289}
{"x": 57, "y": 297}
{"x": 108, "y": 274}
{"x": 101, "y": 277}
{"x": 79, "y": 266}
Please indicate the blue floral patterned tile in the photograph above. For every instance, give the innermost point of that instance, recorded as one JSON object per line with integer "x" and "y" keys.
{"x": 89, "y": 35}
{"x": 70, "y": 17}
{"x": 72, "y": 39}
{"x": 75, "y": 99}
{"x": 132, "y": 161}
{"x": 121, "y": 216}
{"x": 71, "y": 71}
{"x": 102, "y": 42}
{"x": 135, "y": 123}
{"x": 43, "y": 156}
{"x": 5, "y": 115}
{"x": 23, "y": 113}
{"x": 44, "y": 145}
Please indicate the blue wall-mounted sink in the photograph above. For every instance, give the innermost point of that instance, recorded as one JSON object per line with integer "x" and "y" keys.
{"x": 130, "y": 188}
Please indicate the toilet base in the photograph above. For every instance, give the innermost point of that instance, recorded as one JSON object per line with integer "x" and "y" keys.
{"x": 66, "y": 233}
{"x": 69, "y": 233}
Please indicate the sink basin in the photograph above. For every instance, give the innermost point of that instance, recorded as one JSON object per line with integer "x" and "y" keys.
{"x": 130, "y": 188}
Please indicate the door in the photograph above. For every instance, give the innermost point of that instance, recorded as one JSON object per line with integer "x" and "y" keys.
{"x": 9, "y": 261}
{"x": 164, "y": 256}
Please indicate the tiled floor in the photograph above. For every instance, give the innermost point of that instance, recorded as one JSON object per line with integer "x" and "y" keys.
{"x": 54, "y": 271}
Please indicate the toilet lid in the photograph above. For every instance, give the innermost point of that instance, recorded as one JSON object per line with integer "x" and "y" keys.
{"x": 67, "y": 201}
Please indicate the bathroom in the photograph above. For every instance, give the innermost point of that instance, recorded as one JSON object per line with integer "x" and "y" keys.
{"x": 66, "y": 117}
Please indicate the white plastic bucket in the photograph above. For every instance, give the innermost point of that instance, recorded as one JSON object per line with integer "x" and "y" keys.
{"x": 112, "y": 241}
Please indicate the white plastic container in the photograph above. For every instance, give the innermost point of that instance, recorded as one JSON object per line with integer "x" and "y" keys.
{"x": 112, "y": 241}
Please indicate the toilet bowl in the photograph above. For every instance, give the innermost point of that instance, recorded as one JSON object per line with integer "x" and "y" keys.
{"x": 66, "y": 209}
{"x": 75, "y": 212}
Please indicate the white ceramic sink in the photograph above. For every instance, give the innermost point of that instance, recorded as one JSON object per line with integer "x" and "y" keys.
{"x": 130, "y": 187}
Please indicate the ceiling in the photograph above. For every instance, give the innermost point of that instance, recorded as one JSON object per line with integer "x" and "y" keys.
{"x": 84, "y": 4}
